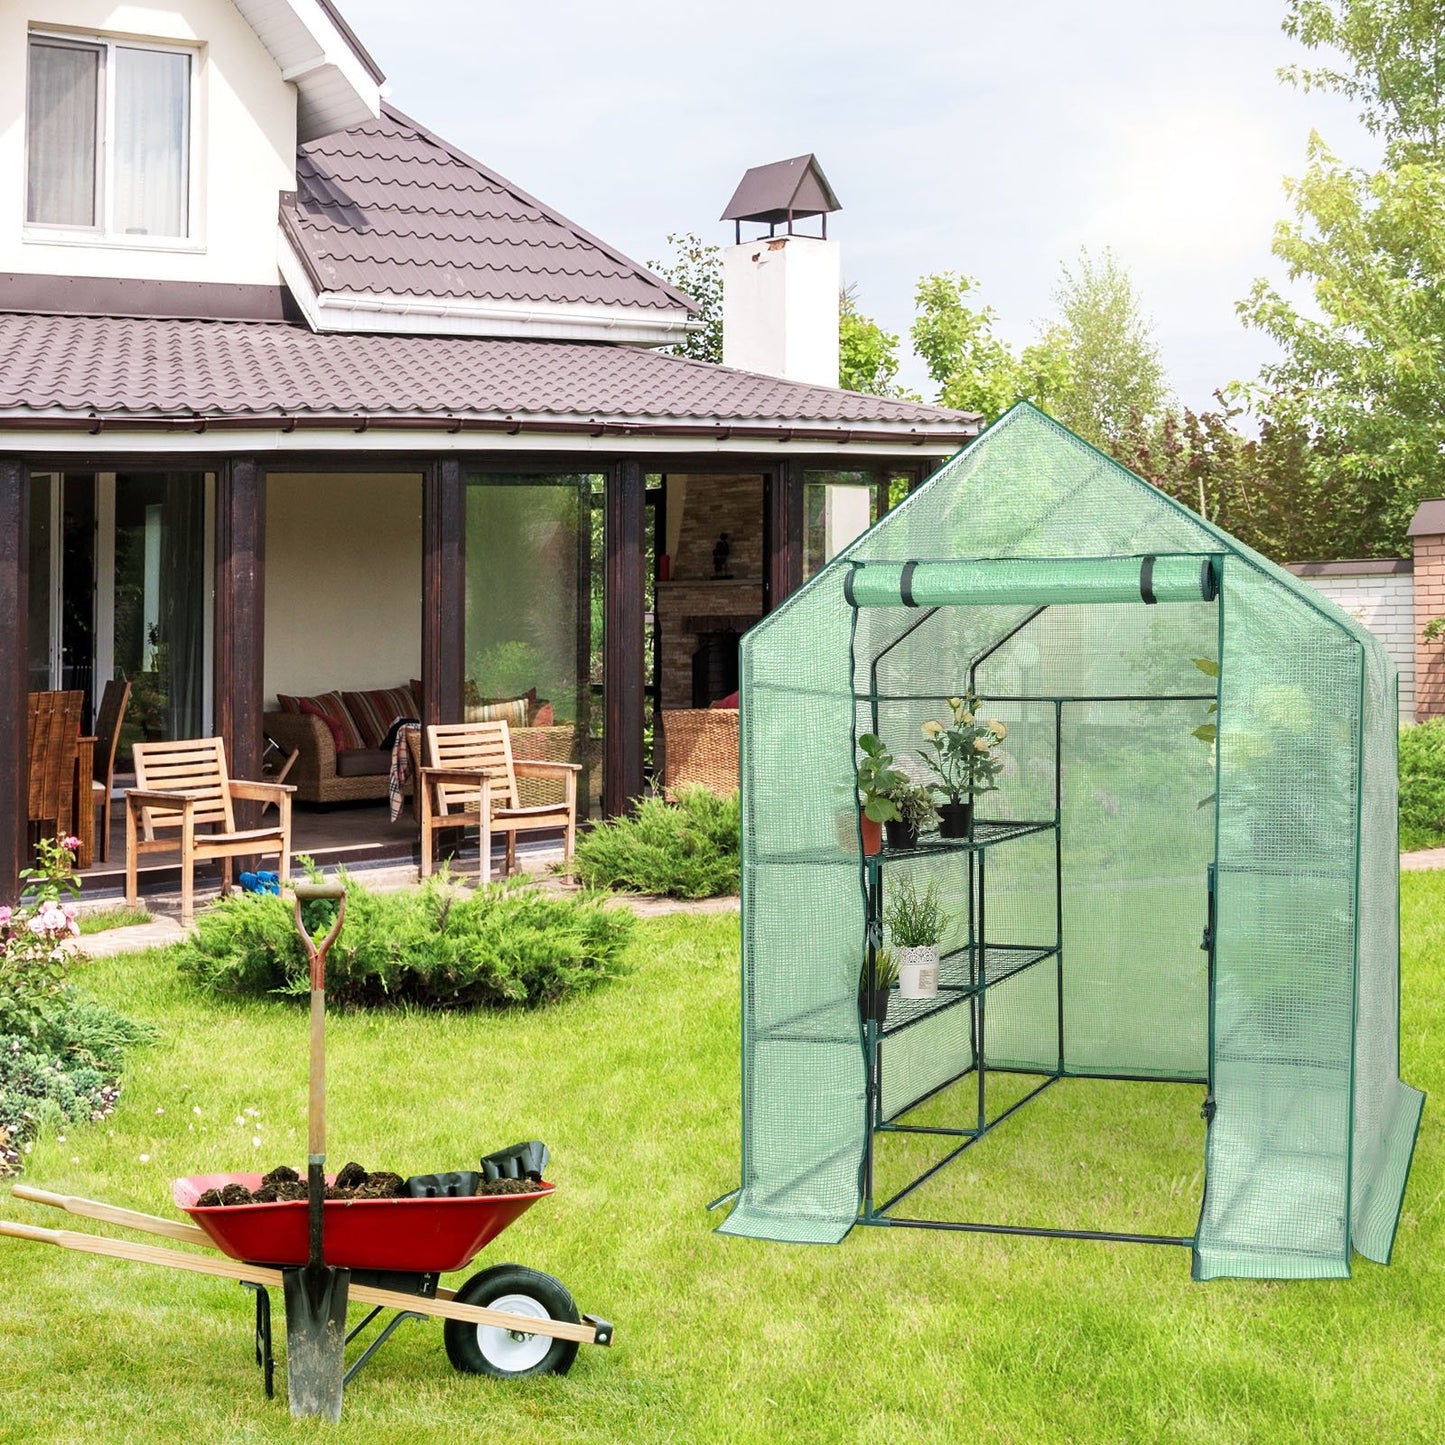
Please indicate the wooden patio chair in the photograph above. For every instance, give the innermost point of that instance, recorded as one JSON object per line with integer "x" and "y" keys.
{"x": 700, "y": 747}
{"x": 107, "y": 738}
{"x": 52, "y": 741}
{"x": 470, "y": 780}
{"x": 184, "y": 787}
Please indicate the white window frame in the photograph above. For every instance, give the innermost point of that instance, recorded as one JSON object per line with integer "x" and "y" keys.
{"x": 103, "y": 233}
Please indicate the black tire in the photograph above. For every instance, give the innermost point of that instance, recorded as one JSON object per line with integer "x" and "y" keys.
{"x": 485, "y": 1350}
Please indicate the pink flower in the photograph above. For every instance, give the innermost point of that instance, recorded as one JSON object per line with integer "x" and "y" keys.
{"x": 71, "y": 842}
{"x": 5, "y": 916}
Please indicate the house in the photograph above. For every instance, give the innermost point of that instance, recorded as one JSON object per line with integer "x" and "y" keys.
{"x": 295, "y": 396}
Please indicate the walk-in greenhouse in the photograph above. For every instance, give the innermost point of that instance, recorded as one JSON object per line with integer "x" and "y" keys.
{"x": 1187, "y": 874}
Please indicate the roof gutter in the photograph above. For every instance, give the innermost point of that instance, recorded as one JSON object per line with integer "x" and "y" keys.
{"x": 95, "y": 424}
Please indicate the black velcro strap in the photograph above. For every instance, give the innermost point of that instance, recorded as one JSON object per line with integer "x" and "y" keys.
{"x": 905, "y": 584}
{"x": 1146, "y": 580}
{"x": 1208, "y": 580}
{"x": 848, "y": 585}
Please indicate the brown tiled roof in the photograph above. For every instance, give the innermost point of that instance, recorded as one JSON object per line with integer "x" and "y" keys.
{"x": 389, "y": 208}
{"x": 148, "y": 369}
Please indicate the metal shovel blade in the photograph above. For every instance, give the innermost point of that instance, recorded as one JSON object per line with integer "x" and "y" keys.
{"x": 316, "y": 1338}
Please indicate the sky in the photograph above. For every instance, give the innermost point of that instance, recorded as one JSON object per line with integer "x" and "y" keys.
{"x": 992, "y": 139}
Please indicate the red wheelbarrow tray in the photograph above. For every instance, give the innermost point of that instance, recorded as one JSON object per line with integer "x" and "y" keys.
{"x": 422, "y": 1236}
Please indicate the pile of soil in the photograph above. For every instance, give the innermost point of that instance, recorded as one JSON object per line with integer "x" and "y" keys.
{"x": 283, "y": 1184}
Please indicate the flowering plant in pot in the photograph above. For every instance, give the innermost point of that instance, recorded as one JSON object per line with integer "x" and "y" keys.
{"x": 915, "y": 924}
{"x": 962, "y": 754}
{"x": 913, "y": 803}
{"x": 873, "y": 1002}
{"x": 877, "y": 779}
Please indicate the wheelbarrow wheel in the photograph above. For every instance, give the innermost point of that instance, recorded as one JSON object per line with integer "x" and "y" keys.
{"x": 506, "y": 1354}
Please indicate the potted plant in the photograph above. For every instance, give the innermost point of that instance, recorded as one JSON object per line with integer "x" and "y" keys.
{"x": 873, "y": 1002}
{"x": 915, "y": 924}
{"x": 913, "y": 803}
{"x": 963, "y": 756}
{"x": 877, "y": 778}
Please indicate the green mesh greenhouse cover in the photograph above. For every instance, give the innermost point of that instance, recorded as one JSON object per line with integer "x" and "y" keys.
{"x": 1080, "y": 603}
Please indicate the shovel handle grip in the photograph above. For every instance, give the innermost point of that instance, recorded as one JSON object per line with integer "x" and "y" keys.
{"x": 307, "y": 891}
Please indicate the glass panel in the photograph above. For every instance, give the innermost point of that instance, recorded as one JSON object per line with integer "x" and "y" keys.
{"x": 530, "y": 608}
{"x": 152, "y": 109}
{"x": 160, "y": 604}
{"x": 60, "y": 120}
{"x": 39, "y": 600}
{"x": 838, "y": 507}
{"x": 77, "y": 588}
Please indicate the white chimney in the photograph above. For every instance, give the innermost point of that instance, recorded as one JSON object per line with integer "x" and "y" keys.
{"x": 780, "y": 292}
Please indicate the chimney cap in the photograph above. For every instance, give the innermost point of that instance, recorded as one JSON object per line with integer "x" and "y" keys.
{"x": 783, "y": 191}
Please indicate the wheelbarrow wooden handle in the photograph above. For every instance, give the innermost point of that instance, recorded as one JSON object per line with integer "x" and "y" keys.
{"x": 113, "y": 1214}
{"x": 585, "y": 1333}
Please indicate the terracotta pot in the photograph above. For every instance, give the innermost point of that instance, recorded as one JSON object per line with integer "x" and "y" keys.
{"x": 872, "y": 835}
{"x": 955, "y": 820}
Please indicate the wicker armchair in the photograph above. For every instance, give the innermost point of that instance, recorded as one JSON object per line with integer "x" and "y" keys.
{"x": 700, "y": 746}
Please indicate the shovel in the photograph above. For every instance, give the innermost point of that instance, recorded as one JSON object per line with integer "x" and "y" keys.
{"x": 316, "y": 1292}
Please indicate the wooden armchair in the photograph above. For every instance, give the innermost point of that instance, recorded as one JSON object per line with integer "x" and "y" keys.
{"x": 107, "y": 736}
{"x": 470, "y": 780}
{"x": 182, "y": 787}
{"x": 52, "y": 740}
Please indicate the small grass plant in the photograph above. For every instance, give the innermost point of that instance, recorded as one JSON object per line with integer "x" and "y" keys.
{"x": 1422, "y": 785}
{"x": 687, "y": 849}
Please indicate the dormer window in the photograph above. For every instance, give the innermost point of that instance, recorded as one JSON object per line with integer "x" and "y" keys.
{"x": 108, "y": 138}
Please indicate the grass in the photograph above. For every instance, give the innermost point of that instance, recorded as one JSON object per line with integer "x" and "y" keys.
{"x": 893, "y": 1335}
{"x": 100, "y": 920}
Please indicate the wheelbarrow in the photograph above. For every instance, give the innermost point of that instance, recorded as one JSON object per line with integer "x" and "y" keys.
{"x": 386, "y": 1253}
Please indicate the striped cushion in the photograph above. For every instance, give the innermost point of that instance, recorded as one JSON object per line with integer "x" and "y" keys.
{"x": 332, "y": 706}
{"x": 374, "y": 712}
{"x": 512, "y": 711}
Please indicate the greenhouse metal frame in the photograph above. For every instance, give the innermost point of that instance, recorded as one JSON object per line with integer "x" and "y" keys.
{"x": 1187, "y": 874}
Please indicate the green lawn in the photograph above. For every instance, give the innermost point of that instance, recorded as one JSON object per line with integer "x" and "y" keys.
{"x": 892, "y": 1336}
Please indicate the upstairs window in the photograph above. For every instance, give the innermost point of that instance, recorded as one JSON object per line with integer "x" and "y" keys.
{"x": 108, "y": 138}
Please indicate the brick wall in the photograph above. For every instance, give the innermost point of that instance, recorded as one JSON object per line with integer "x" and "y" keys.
{"x": 1379, "y": 594}
{"x": 1429, "y": 604}
{"x": 711, "y": 505}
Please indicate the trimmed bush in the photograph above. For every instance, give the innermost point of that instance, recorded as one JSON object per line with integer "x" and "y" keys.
{"x": 1422, "y": 785}
{"x": 503, "y": 947}
{"x": 687, "y": 849}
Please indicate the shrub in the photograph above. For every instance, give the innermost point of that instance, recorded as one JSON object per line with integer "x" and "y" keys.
{"x": 507, "y": 946}
{"x": 1422, "y": 785}
{"x": 66, "y": 1073}
{"x": 687, "y": 849}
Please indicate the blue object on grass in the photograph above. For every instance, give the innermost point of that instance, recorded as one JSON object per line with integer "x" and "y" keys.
{"x": 260, "y": 882}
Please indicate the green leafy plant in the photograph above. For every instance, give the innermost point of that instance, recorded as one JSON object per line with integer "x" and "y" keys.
{"x": 34, "y": 958}
{"x": 1422, "y": 785}
{"x": 914, "y": 803}
{"x": 877, "y": 780}
{"x": 687, "y": 849}
{"x": 915, "y": 919}
{"x": 885, "y": 970}
{"x": 962, "y": 753}
{"x": 509, "y": 946}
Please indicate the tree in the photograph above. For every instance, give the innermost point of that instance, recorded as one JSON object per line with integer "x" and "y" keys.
{"x": 1093, "y": 368}
{"x": 696, "y": 271}
{"x": 973, "y": 369}
{"x": 1270, "y": 491}
{"x": 1369, "y": 247}
{"x": 1109, "y": 369}
{"x": 867, "y": 354}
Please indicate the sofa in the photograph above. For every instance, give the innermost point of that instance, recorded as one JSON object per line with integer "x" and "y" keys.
{"x": 339, "y": 740}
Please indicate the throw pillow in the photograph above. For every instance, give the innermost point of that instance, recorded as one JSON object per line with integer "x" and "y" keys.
{"x": 375, "y": 711}
{"x": 543, "y": 717}
{"x": 331, "y": 705}
{"x": 311, "y": 710}
{"x": 512, "y": 711}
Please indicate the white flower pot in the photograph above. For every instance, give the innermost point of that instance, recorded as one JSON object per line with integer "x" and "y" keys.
{"x": 917, "y": 971}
